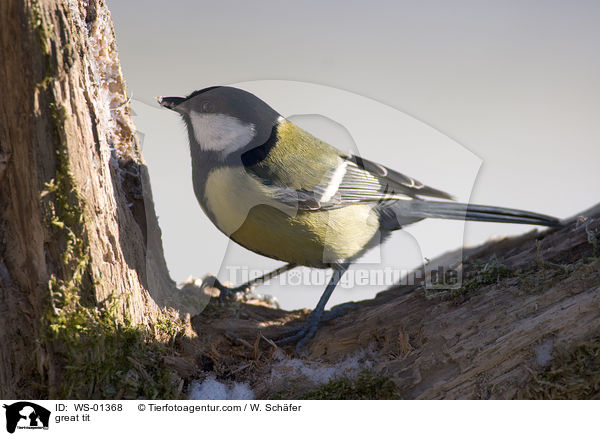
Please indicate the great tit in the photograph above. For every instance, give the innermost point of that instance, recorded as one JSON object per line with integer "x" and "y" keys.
{"x": 279, "y": 191}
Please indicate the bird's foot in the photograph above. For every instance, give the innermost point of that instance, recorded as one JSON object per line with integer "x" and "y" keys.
{"x": 226, "y": 293}
{"x": 303, "y": 334}
{"x": 243, "y": 292}
{"x": 338, "y": 311}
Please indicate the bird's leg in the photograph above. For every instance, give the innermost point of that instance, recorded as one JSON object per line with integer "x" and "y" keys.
{"x": 309, "y": 329}
{"x": 230, "y": 293}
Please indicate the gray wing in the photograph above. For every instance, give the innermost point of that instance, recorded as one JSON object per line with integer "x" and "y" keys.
{"x": 355, "y": 181}
{"x": 365, "y": 180}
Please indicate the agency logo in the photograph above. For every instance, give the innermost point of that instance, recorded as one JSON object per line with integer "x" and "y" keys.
{"x": 26, "y": 415}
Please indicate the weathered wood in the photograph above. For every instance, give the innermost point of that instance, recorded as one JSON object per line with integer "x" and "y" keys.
{"x": 76, "y": 211}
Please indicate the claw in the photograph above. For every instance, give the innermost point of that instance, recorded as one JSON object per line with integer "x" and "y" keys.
{"x": 239, "y": 293}
{"x": 226, "y": 293}
{"x": 303, "y": 334}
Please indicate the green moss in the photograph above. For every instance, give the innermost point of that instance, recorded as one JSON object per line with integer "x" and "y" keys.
{"x": 36, "y": 21}
{"x": 574, "y": 374}
{"x": 477, "y": 275}
{"x": 367, "y": 386}
{"x": 43, "y": 31}
{"x": 66, "y": 207}
{"x": 168, "y": 326}
{"x": 592, "y": 238}
{"x": 539, "y": 278}
{"x": 486, "y": 273}
{"x": 98, "y": 354}
{"x": 104, "y": 357}
{"x": 543, "y": 274}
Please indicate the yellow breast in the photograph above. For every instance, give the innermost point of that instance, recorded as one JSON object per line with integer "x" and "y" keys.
{"x": 243, "y": 209}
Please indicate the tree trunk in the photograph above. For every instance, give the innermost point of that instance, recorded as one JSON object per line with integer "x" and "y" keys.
{"x": 77, "y": 223}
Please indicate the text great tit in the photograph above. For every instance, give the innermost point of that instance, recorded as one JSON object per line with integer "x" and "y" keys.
{"x": 279, "y": 191}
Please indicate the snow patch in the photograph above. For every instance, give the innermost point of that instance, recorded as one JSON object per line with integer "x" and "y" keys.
{"x": 211, "y": 389}
{"x": 318, "y": 372}
{"x": 543, "y": 352}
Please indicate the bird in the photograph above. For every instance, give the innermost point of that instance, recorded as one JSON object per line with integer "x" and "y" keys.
{"x": 281, "y": 192}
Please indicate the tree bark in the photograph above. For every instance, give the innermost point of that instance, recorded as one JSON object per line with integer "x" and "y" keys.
{"x": 76, "y": 212}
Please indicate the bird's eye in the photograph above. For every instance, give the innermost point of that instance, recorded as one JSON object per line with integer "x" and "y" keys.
{"x": 207, "y": 106}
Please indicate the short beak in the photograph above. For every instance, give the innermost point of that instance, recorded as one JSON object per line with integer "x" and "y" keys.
{"x": 169, "y": 102}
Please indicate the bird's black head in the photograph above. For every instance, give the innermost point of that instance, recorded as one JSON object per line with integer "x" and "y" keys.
{"x": 223, "y": 118}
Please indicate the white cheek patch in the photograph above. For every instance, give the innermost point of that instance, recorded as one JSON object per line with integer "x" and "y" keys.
{"x": 219, "y": 132}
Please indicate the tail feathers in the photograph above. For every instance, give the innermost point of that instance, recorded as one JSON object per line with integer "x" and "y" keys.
{"x": 404, "y": 210}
